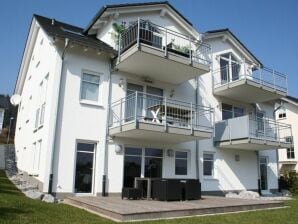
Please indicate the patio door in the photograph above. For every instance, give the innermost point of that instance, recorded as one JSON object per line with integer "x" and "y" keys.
{"x": 131, "y": 101}
{"x": 153, "y": 99}
{"x": 84, "y": 168}
{"x": 260, "y": 122}
{"x": 264, "y": 174}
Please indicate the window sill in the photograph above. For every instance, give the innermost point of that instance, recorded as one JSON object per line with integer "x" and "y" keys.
{"x": 210, "y": 178}
{"x": 91, "y": 103}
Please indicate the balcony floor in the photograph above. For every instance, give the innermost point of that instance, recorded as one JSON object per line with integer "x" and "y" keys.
{"x": 150, "y": 62}
{"x": 247, "y": 90}
{"x": 252, "y": 144}
{"x": 157, "y": 132}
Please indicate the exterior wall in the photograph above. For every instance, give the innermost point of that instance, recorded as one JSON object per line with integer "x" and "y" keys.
{"x": 291, "y": 118}
{"x": 43, "y": 63}
{"x": 78, "y": 121}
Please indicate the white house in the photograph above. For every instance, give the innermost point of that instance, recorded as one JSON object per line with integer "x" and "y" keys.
{"x": 161, "y": 99}
{"x": 287, "y": 112}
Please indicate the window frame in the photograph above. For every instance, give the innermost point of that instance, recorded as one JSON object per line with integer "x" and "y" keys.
{"x": 291, "y": 153}
{"x": 212, "y": 176}
{"x": 232, "y": 111}
{"x": 184, "y": 159}
{"x": 99, "y": 101}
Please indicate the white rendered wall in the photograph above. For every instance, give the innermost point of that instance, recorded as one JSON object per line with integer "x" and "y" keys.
{"x": 42, "y": 64}
{"x": 292, "y": 119}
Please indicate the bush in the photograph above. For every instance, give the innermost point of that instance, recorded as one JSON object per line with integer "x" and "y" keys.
{"x": 290, "y": 182}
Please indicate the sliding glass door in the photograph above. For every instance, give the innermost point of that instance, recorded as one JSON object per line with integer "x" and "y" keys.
{"x": 141, "y": 162}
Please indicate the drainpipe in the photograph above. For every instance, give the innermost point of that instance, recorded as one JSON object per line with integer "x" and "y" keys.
{"x": 50, "y": 188}
{"x": 105, "y": 169}
{"x": 259, "y": 175}
{"x": 197, "y": 141}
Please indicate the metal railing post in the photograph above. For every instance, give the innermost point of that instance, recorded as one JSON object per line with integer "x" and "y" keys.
{"x": 165, "y": 114}
{"x": 191, "y": 120}
{"x": 261, "y": 78}
{"x": 138, "y": 33}
{"x": 120, "y": 122}
{"x": 286, "y": 77}
{"x": 136, "y": 108}
{"x": 264, "y": 120}
{"x": 166, "y": 42}
{"x": 119, "y": 47}
{"x": 273, "y": 75}
{"x": 190, "y": 54}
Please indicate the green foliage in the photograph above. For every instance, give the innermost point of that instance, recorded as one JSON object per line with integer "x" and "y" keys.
{"x": 117, "y": 30}
{"x": 291, "y": 182}
{"x": 183, "y": 49}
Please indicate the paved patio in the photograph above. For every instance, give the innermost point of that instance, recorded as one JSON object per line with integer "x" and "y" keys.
{"x": 131, "y": 210}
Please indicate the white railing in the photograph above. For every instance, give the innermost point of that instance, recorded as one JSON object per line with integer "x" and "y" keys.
{"x": 251, "y": 127}
{"x": 165, "y": 40}
{"x": 239, "y": 71}
{"x": 153, "y": 109}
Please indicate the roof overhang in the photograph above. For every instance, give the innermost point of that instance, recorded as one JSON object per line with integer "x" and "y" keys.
{"x": 27, "y": 54}
{"x": 164, "y": 8}
{"x": 227, "y": 35}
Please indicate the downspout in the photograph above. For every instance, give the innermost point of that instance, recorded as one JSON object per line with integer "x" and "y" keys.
{"x": 105, "y": 169}
{"x": 259, "y": 175}
{"x": 50, "y": 188}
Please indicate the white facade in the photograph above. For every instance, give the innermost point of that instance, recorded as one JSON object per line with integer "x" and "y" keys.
{"x": 287, "y": 112}
{"x": 52, "y": 82}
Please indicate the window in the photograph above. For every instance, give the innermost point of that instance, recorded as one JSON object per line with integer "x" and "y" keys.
{"x": 230, "y": 111}
{"x": 281, "y": 113}
{"x": 36, "y": 157}
{"x": 145, "y": 162}
{"x": 41, "y": 103}
{"x": 290, "y": 153}
{"x": 181, "y": 163}
{"x": 208, "y": 164}
{"x": 90, "y": 87}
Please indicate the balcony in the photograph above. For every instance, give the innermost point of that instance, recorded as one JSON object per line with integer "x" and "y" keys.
{"x": 239, "y": 81}
{"x": 159, "y": 119}
{"x": 157, "y": 53}
{"x": 252, "y": 134}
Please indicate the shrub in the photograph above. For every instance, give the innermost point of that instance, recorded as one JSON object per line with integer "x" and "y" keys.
{"x": 290, "y": 180}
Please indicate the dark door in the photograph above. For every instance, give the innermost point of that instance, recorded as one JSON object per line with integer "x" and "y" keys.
{"x": 84, "y": 168}
{"x": 132, "y": 165}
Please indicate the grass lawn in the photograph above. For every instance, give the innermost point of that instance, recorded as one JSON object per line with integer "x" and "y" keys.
{"x": 16, "y": 208}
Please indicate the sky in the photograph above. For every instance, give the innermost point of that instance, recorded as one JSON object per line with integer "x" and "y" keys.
{"x": 269, "y": 28}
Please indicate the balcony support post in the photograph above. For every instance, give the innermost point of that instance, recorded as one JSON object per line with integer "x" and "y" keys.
{"x": 138, "y": 33}
{"x": 120, "y": 122}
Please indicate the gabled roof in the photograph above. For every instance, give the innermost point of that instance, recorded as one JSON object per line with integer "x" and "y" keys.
{"x": 56, "y": 28}
{"x": 228, "y": 31}
{"x": 291, "y": 99}
{"x": 104, "y": 8}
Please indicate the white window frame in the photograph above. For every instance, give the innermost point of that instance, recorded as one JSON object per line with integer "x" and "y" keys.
{"x": 187, "y": 162}
{"x": 99, "y": 101}
{"x": 233, "y": 111}
{"x": 282, "y": 112}
{"x": 41, "y": 103}
{"x": 212, "y": 176}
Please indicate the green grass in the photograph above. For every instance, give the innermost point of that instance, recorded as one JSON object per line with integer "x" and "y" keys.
{"x": 16, "y": 208}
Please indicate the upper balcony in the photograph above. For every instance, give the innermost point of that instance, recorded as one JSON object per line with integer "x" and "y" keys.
{"x": 159, "y": 119}
{"x": 252, "y": 134}
{"x": 158, "y": 53}
{"x": 240, "y": 81}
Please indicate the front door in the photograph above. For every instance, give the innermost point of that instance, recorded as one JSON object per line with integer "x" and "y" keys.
{"x": 264, "y": 174}
{"x": 84, "y": 168}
